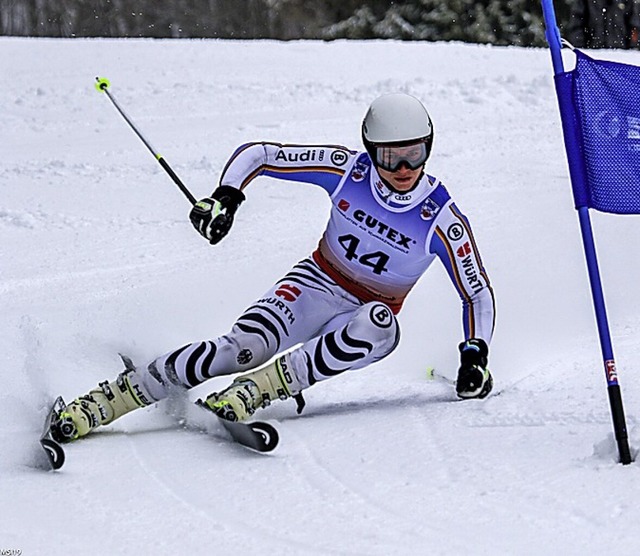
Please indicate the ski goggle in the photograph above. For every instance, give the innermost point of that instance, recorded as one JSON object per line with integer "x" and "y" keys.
{"x": 391, "y": 158}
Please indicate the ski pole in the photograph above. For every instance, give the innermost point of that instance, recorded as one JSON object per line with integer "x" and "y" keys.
{"x": 102, "y": 85}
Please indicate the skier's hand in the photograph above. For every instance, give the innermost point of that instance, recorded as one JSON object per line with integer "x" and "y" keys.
{"x": 474, "y": 379}
{"x": 213, "y": 216}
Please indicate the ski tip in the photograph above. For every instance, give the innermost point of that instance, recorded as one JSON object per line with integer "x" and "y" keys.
{"x": 55, "y": 453}
{"x": 102, "y": 83}
{"x": 431, "y": 373}
{"x": 269, "y": 434}
{"x": 257, "y": 435}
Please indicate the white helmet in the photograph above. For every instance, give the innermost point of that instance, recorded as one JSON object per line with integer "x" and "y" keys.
{"x": 396, "y": 119}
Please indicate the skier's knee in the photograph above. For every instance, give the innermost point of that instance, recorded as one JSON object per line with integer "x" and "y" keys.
{"x": 375, "y": 322}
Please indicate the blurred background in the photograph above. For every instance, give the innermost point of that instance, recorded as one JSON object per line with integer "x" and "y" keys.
{"x": 592, "y": 23}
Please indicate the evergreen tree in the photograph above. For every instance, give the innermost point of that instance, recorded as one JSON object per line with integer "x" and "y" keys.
{"x": 500, "y": 22}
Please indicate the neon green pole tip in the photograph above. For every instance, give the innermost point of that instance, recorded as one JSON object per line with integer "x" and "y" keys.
{"x": 102, "y": 83}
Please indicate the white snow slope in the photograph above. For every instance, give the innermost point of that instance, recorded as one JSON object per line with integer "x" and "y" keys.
{"x": 97, "y": 256}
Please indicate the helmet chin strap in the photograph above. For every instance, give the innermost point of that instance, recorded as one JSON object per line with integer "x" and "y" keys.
{"x": 394, "y": 189}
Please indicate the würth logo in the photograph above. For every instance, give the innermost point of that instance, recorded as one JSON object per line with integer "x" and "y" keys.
{"x": 464, "y": 250}
{"x": 343, "y": 204}
{"x": 288, "y": 292}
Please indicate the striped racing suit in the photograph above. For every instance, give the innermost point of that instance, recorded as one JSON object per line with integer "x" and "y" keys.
{"x": 339, "y": 305}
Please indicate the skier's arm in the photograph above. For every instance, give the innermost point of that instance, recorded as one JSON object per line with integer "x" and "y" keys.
{"x": 322, "y": 165}
{"x": 454, "y": 244}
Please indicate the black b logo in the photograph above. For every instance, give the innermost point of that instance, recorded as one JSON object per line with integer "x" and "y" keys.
{"x": 381, "y": 316}
{"x": 338, "y": 158}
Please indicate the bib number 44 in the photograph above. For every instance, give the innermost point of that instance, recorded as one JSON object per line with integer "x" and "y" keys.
{"x": 376, "y": 260}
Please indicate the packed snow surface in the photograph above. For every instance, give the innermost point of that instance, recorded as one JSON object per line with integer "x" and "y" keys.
{"x": 97, "y": 257}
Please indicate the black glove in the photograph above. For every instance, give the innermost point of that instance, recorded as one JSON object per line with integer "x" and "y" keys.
{"x": 213, "y": 216}
{"x": 474, "y": 379}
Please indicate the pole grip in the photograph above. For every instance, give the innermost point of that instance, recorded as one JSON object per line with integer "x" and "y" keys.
{"x": 177, "y": 180}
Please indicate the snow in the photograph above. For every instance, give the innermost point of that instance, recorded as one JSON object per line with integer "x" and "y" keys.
{"x": 98, "y": 257}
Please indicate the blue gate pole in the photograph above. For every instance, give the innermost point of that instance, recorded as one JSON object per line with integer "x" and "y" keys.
{"x": 552, "y": 34}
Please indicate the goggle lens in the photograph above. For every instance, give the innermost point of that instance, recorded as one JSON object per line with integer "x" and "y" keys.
{"x": 391, "y": 158}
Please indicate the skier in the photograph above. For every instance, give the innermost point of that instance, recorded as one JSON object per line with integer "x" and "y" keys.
{"x": 389, "y": 220}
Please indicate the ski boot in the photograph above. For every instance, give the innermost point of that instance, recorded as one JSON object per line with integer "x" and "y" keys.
{"x": 100, "y": 406}
{"x": 256, "y": 390}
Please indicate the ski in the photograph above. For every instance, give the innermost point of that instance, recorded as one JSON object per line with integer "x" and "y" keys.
{"x": 52, "y": 448}
{"x": 257, "y": 435}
